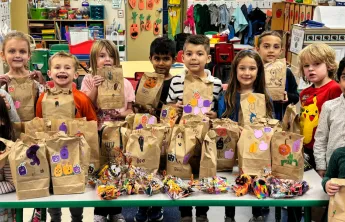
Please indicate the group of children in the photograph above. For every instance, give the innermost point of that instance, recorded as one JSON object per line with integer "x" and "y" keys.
{"x": 317, "y": 66}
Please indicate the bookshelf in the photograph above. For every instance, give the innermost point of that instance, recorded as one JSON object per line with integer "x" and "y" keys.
{"x": 53, "y": 31}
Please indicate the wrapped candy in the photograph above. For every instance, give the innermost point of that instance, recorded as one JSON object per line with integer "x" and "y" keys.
{"x": 153, "y": 184}
{"x": 211, "y": 185}
{"x": 131, "y": 186}
{"x": 176, "y": 188}
{"x": 243, "y": 183}
{"x": 108, "y": 192}
{"x": 259, "y": 188}
{"x": 280, "y": 188}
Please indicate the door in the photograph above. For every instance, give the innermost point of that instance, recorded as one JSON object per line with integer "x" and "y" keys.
{"x": 143, "y": 25}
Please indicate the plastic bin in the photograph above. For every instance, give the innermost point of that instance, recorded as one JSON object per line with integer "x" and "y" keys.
{"x": 39, "y": 60}
{"x": 58, "y": 48}
{"x": 39, "y": 13}
{"x": 81, "y": 48}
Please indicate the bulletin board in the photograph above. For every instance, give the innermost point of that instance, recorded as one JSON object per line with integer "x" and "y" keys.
{"x": 144, "y": 20}
{"x": 262, "y": 4}
{"x": 5, "y": 16}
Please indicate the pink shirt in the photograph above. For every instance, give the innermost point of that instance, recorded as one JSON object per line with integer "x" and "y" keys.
{"x": 103, "y": 115}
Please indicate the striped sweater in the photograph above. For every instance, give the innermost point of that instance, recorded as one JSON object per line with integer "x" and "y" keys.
{"x": 6, "y": 182}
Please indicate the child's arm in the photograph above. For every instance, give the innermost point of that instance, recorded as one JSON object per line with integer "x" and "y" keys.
{"x": 37, "y": 75}
{"x": 292, "y": 94}
{"x": 39, "y": 106}
{"x": 12, "y": 112}
{"x": 129, "y": 97}
{"x": 332, "y": 172}
{"x": 90, "y": 85}
{"x": 321, "y": 140}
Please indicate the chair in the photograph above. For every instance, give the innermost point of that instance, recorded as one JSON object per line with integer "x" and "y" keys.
{"x": 224, "y": 54}
{"x": 138, "y": 75}
{"x": 179, "y": 56}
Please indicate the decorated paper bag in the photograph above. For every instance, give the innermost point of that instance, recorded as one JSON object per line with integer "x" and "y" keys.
{"x": 144, "y": 150}
{"x": 254, "y": 154}
{"x": 275, "y": 76}
{"x": 336, "y": 206}
{"x": 149, "y": 90}
{"x": 58, "y": 104}
{"x": 81, "y": 127}
{"x": 140, "y": 120}
{"x": 18, "y": 128}
{"x": 163, "y": 134}
{"x": 169, "y": 115}
{"x": 184, "y": 153}
{"x": 253, "y": 105}
{"x": 287, "y": 155}
{"x": 208, "y": 162}
{"x": 197, "y": 95}
{"x": 68, "y": 162}
{"x": 24, "y": 93}
{"x": 111, "y": 94}
{"x": 113, "y": 143}
{"x": 196, "y": 119}
{"x": 291, "y": 120}
{"x": 30, "y": 168}
{"x": 5, "y": 149}
{"x": 227, "y": 136}
{"x": 35, "y": 125}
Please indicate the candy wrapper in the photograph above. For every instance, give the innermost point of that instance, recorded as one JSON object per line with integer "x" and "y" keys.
{"x": 212, "y": 185}
{"x": 176, "y": 188}
{"x": 152, "y": 184}
{"x": 259, "y": 188}
{"x": 243, "y": 183}
{"x": 131, "y": 186}
{"x": 108, "y": 192}
{"x": 280, "y": 188}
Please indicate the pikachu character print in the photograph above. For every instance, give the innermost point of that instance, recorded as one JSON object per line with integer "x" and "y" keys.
{"x": 309, "y": 120}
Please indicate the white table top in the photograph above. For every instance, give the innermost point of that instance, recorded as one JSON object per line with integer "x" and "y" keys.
{"x": 237, "y": 47}
{"x": 314, "y": 197}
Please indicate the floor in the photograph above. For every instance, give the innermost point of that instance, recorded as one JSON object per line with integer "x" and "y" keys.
{"x": 171, "y": 214}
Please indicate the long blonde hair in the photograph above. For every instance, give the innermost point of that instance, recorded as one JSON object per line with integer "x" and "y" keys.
{"x": 97, "y": 48}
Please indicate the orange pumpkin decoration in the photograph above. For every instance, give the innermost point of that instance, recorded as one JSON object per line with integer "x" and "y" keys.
{"x": 132, "y": 3}
{"x": 150, "y": 83}
{"x": 67, "y": 169}
{"x": 58, "y": 170}
{"x": 134, "y": 29}
{"x": 157, "y": 1}
{"x": 156, "y": 28}
{"x": 148, "y": 24}
{"x": 141, "y": 4}
{"x": 149, "y": 4}
{"x": 284, "y": 149}
{"x": 142, "y": 23}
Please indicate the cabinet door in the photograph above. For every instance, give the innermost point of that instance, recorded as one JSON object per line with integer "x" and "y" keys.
{"x": 339, "y": 52}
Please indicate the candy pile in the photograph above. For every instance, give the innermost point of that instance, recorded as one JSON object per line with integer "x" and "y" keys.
{"x": 280, "y": 188}
{"x": 176, "y": 188}
{"x": 211, "y": 185}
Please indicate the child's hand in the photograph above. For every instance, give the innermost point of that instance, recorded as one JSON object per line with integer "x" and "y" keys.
{"x": 211, "y": 115}
{"x": 4, "y": 79}
{"x": 97, "y": 80}
{"x": 286, "y": 98}
{"x": 321, "y": 173}
{"x": 8, "y": 106}
{"x": 37, "y": 75}
{"x": 331, "y": 188}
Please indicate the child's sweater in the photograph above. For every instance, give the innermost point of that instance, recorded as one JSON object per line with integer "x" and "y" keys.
{"x": 336, "y": 167}
{"x": 6, "y": 183}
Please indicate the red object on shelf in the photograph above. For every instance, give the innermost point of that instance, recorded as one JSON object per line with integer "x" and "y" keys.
{"x": 222, "y": 38}
{"x": 83, "y": 48}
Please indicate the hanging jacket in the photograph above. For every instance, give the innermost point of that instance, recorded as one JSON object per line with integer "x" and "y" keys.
{"x": 190, "y": 23}
{"x": 240, "y": 22}
{"x": 244, "y": 10}
{"x": 214, "y": 14}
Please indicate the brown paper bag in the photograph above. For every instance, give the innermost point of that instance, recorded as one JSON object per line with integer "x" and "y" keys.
{"x": 169, "y": 115}
{"x": 81, "y": 127}
{"x": 30, "y": 168}
{"x": 24, "y": 93}
{"x": 287, "y": 155}
{"x": 149, "y": 90}
{"x": 113, "y": 143}
{"x": 275, "y": 76}
{"x": 336, "y": 207}
{"x": 5, "y": 149}
{"x": 290, "y": 121}
{"x": 184, "y": 152}
{"x": 111, "y": 94}
{"x": 253, "y": 105}
{"x": 197, "y": 95}
{"x": 195, "y": 119}
{"x": 37, "y": 125}
{"x": 253, "y": 147}
{"x": 227, "y": 136}
{"x": 18, "y": 128}
{"x": 140, "y": 120}
{"x": 144, "y": 150}
{"x": 208, "y": 162}
{"x": 58, "y": 104}
{"x": 68, "y": 164}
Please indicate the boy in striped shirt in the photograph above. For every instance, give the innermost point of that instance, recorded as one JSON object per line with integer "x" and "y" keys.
{"x": 196, "y": 53}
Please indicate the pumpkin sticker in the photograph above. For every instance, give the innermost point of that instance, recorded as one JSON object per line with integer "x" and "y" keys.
{"x": 67, "y": 169}
{"x": 156, "y": 27}
{"x": 64, "y": 153}
{"x": 22, "y": 171}
{"x": 150, "y": 82}
{"x": 142, "y": 23}
{"x": 284, "y": 149}
{"x": 134, "y": 29}
{"x": 132, "y": 3}
{"x": 149, "y": 4}
{"x": 253, "y": 148}
{"x": 63, "y": 127}
{"x": 141, "y": 5}
{"x": 58, "y": 170}
{"x": 148, "y": 24}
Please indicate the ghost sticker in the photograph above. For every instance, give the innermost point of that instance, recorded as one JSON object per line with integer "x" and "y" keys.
{"x": 171, "y": 157}
{"x": 141, "y": 143}
{"x": 220, "y": 143}
{"x": 64, "y": 153}
{"x": 179, "y": 139}
{"x": 22, "y": 171}
{"x": 91, "y": 168}
{"x": 31, "y": 154}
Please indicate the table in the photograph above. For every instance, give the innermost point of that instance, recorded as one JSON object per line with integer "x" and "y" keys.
{"x": 130, "y": 67}
{"x": 237, "y": 47}
{"x": 314, "y": 197}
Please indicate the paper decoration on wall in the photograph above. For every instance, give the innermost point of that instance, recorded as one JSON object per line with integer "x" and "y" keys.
{"x": 157, "y": 1}
{"x": 148, "y": 24}
{"x": 156, "y": 28}
{"x": 132, "y": 3}
{"x": 141, "y": 4}
{"x": 134, "y": 29}
{"x": 142, "y": 23}
{"x": 149, "y": 4}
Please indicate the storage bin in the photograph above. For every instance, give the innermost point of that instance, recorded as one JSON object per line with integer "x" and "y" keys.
{"x": 39, "y": 13}
{"x": 39, "y": 60}
{"x": 81, "y": 48}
